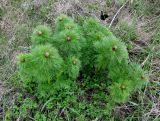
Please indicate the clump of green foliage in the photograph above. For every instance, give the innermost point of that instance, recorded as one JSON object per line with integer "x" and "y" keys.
{"x": 77, "y": 72}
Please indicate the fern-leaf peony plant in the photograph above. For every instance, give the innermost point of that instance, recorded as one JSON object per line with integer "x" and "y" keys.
{"x": 72, "y": 54}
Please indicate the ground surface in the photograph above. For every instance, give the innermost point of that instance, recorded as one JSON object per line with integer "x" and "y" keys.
{"x": 19, "y": 17}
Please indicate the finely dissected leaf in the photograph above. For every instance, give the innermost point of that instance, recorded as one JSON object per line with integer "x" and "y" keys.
{"x": 26, "y": 66}
{"x": 68, "y": 43}
{"x": 120, "y": 91}
{"x": 110, "y": 50}
{"x": 72, "y": 67}
{"x": 92, "y": 27}
{"x": 85, "y": 64}
{"x": 61, "y": 22}
{"x": 43, "y": 63}
{"x": 137, "y": 76}
{"x": 41, "y": 35}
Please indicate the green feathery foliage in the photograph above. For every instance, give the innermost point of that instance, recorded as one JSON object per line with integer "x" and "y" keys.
{"x": 77, "y": 66}
{"x": 44, "y": 61}
{"x": 41, "y": 35}
{"x": 62, "y": 23}
{"x": 68, "y": 43}
{"x": 110, "y": 50}
{"x": 72, "y": 67}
